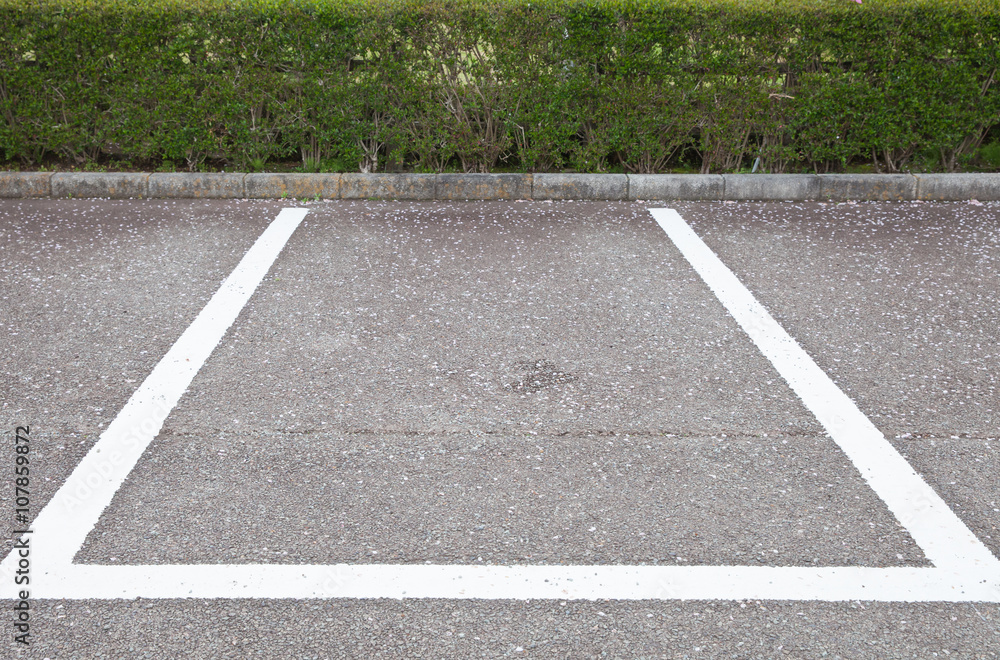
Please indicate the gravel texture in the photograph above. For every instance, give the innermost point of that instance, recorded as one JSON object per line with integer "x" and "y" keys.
{"x": 506, "y": 381}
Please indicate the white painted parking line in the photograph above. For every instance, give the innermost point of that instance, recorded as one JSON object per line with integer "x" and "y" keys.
{"x": 964, "y": 570}
{"x": 517, "y": 582}
{"x": 61, "y": 528}
{"x": 943, "y": 537}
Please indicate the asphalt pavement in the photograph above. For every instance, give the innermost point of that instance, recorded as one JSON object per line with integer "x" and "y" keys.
{"x": 506, "y": 383}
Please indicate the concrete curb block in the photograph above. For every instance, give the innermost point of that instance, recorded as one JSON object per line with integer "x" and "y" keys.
{"x": 580, "y": 186}
{"x": 387, "y": 186}
{"x": 868, "y": 187}
{"x": 958, "y": 187}
{"x": 446, "y": 187}
{"x": 483, "y": 186}
{"x": 196, "y": 185}
{"x": 116, "y": 185}
{"x": 294, "y": 186}
{"x": 25, "y": 184}
{"x": 676, "y": 186}
{"x": 772, "y": 187}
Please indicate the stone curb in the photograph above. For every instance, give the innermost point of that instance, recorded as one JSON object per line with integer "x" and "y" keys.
{"x": 796, "y": 187}
{"x": 296, "y": 186}
{"x": 196, "y": 185}
{"x": 580, "y": 186}
{"x": 676, "y": 186}
{"x": 116, "y": 185}
{"x": 25, "y": 184}
{"x": 801, "y": 187}
{"x": 882, "y": 187}
{"x": 388, "y": 186}
{"x": 957, "y": 187}
{"x": 483, "y": 186}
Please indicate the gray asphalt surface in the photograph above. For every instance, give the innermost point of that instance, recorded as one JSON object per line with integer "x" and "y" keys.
{"x": 900, "y": 305}
{"x": 507, "y": 382}
{"x": 497, "y": 500}
{"x": 92, "y": 295}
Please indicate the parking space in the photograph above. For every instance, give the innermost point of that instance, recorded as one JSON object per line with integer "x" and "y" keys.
{"x": 529, "y": 384}
{"x": 94, "y": 293}
{"x": 536, "y": 384}
{"x": 900, "y": 305}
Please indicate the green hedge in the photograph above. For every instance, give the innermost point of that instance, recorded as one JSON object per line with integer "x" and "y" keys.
{"x": 589, "y": 85}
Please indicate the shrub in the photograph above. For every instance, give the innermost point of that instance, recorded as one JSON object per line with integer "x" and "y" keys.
{"x": 634, "y": 85}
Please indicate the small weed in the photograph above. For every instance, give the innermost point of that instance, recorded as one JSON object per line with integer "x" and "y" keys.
{"x": 258, "y": 164}
{"x": 310, "y": 165}
{"x": 167, "y": 166}
{"x": 338, "y": 164}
